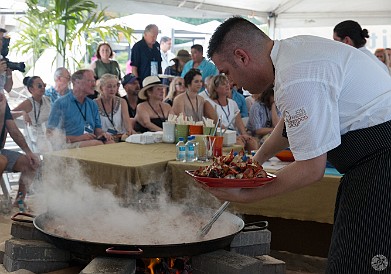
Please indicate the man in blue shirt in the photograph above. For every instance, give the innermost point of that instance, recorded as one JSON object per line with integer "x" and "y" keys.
{"x": 198, "y": 61}
{"x": 240, "y": 100}
{"x": 146, "y": 59}
{"x": 77, "y": 115}
{"x": 62, "y": 78}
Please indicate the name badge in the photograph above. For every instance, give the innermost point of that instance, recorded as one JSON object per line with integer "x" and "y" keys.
{"x": 88, "y": 129}
{"x": 154, "y": 68}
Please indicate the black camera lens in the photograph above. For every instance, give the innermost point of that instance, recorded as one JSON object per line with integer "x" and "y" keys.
{"x": 16, "y": 66}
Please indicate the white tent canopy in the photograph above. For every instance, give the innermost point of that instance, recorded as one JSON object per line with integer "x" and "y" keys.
{"x": 279, "y": 13}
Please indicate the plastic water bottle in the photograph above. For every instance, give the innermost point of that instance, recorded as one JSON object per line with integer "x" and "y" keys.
{"x": 21, "y": 202}
{"x": 181, "y": 150}
{"x": 191, "y": 147}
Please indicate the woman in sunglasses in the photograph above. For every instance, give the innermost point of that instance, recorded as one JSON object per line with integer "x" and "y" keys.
{"x": 177, "y": 86}
{"x": 35, "y": 109}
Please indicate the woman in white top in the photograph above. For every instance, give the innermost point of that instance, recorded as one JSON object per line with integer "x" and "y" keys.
{"x": 113, "y": 110}
{"x": 35, "y": 111}
{"x": 228, "y": 110}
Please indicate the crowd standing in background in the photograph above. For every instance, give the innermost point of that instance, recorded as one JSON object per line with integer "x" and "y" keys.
{"x": 104, "y": 62}
{"x": 198, "y": 61}
{"x": 165, "y": 52}
{"x": 146, "y": 59}
{"x": 182, "y": 57}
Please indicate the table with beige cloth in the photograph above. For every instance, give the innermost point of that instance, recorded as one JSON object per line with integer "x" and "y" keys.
{"x": 312, "y": 203}
{"x": 121, "y": 167}
{"x": 126, "y": 167}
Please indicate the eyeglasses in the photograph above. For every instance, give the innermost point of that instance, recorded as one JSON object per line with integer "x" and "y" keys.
{"x": 41, "y": 85}
{"x": 179, "y": 84}
{"x": 66, "y": 77}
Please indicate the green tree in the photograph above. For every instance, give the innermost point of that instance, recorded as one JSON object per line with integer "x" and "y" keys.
{"x": 62, "y": 23}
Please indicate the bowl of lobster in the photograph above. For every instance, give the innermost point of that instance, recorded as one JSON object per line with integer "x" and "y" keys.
{"x": 237, "y": 171}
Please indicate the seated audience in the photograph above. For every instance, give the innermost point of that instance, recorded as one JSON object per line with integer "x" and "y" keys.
{"x": 205, "y": 92}
{"x": 240, "y": 100}
{"x": 35, "y": 111}
{"x": 190, "y": 103}
{"x": 228, "y": 110}
{"x": 131, "y": 85}
{"x": 113, "y": 111}
{"x": 263, "y": 115}
{"x": 180, "y": 60}
{"x": 26, "y": 163}
{"x": 177, "y": 86}
{"x": 153, "y": 112}
{"x": 382, "y": 55}
{"x": 62, "y": 78}
{"x": 77, "y": 115}
{"x": 104, "y": 63}
{"x": 250, "y": 100}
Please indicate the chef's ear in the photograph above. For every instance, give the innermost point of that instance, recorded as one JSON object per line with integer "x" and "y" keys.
{"x": 241, "y": 56}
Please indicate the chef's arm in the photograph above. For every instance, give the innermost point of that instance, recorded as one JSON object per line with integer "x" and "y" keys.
{"x": 275, "y": 143}
{"x": 294, "y": 176}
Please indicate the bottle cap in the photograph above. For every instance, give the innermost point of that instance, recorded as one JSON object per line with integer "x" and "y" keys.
{"x": 181, "y": 139}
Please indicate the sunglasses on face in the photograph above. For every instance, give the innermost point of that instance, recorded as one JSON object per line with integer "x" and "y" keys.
{"x": 179, "y": 84}
{"x": 41, "y": 85}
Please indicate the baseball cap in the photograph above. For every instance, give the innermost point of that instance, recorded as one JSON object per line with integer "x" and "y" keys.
{"x": 128, "y": 79}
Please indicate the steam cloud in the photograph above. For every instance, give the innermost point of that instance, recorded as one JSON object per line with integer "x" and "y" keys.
{"x": 83, "y": 211}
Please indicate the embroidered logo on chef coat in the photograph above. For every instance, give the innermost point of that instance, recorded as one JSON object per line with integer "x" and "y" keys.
{"x": 294, "y": 119}
{"x": 379, "y": 262}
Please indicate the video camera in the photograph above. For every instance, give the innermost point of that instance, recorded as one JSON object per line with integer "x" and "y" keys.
{"x": 4, "y": 52}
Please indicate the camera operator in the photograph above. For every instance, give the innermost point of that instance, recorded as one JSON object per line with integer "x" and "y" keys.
{"x": 5, "y": 72}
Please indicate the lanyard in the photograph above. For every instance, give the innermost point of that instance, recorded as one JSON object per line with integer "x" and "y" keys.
{"x": 164, "y": 118}
{"x": 194, "y": 111}
{"x": 36, "y": 116}
{"x": 85, "y": 111}
{"x": 225, "y": 113}
{"x": 112, "y": 112}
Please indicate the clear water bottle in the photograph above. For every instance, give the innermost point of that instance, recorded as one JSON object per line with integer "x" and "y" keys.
{"x": 20, "y": 202}
{"x": 181, "y": 150}
{"x": 191, "y": 147}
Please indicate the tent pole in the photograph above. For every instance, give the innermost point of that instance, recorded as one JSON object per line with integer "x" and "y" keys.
{"x": 271, "y": 23}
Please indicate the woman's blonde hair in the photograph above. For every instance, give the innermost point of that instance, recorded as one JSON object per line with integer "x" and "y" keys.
{"x": 214, "y": 83}
{"x": 172, "y": 92}
{"x": 105, "y": 78}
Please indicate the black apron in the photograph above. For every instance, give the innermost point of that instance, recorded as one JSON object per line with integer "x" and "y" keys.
{"x": 361, "y": 239}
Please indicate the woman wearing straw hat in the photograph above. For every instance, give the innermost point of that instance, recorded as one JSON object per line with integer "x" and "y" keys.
{"x": 153, "y": 112}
